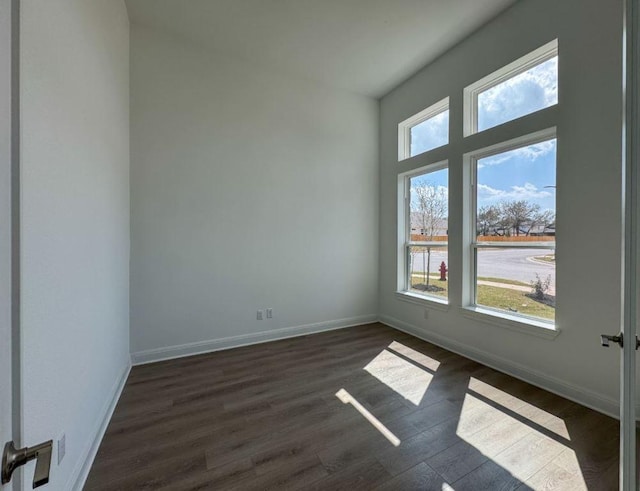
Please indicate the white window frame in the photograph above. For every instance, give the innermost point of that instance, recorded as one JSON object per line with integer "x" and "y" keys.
{"x": 404, "y": 128}
{"x": 470, "y": 239}
{"x": 405, "y": 243}
{"x": 521, "y": 65}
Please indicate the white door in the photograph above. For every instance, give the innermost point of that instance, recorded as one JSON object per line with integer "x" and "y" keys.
{"x": 631, "y": 271}
{"x": 6, "y": 428}
{"x": 10, "y": 411}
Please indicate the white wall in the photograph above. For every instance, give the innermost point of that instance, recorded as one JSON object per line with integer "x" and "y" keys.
{"x": 75, "y": 222}
{"x": 588, "y": 207}
{"x": 250, "y": 189}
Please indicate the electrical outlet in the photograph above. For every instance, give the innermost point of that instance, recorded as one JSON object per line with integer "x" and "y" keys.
{"x": 259, "y": 315}
{"x": 269, "y": 313}
{"x": 62, "y": 447}
{"x": 426, "y": 313}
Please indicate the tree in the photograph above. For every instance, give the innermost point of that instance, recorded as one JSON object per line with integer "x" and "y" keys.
{"x": 513, "y": 217}
{"x": 489, "y": 220}
{"x": 430, "y": 206}
{"x": 515, "y": 214}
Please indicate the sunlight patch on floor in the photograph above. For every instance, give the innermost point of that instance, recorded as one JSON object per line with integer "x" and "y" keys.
{"x": 347, "y": 398}
{"x": 475, "y": 414}
{"x": 519, "y": 437}
{"x": 419, "y": 358}
{"x": 490, "y": 392}
{"x": 539, "y": 417}
{"x": 400, "y": 375}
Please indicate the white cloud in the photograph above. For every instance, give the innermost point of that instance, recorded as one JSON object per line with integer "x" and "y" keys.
{"x": 431, "y": 133}
{"x": 525, "y": 93}
{"x": 528, "y": 191}
{"x": 529, "y": 153}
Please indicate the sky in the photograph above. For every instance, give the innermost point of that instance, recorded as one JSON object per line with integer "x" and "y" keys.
{"x": 439, "y": 178}
{"x": 523, "y": 94}
{"x": 520, "y": 174}
{"x": 429, "y": 134}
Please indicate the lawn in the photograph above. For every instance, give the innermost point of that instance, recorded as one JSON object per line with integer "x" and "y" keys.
{"x": 514, "y": 301}
{"x": 499, "y": 298}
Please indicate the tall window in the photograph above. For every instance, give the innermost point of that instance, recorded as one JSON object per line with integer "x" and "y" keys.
{"x": 426, "y": 231}
{"x": 514, "y": 219}
{"x": 504, "y": 206}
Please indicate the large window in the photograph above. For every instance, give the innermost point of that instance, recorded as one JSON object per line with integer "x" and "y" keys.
{"x": 514, "y": 221}
{"x": 426, "y": 231}
{"x": 503, "y": 206}
{"x": 424, "y": 131}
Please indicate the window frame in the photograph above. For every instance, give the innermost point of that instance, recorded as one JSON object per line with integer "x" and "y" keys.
{"x": 404, "y": 237}
{"x": 521, "y": 65}
{"x": 470, "y": 160}
{"x": 404, "y": 128}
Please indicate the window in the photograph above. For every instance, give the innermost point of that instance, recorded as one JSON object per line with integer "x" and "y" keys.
{"x": 426, "y": 211}
{"x": 514, "y": 227}
{"x": 523, "y": 87}
{"x": 424, "y": 131}
{"x": 504, "y": 200}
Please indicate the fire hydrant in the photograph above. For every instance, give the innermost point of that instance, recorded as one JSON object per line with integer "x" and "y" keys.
{"x": 443, "y": 271}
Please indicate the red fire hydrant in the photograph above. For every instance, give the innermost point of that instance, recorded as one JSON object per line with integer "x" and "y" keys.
{"x": 443, "y": 271}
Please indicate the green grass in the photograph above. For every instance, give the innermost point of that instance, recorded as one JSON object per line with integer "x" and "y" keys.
{"x": 435, "y": 281}
{"x": 495, "y": 297}
{"x": 513, "y": 300}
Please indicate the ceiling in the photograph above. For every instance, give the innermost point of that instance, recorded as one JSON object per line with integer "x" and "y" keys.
{"x": 365, "y": 46}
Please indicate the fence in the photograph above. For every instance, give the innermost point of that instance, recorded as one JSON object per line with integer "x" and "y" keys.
{"x": 487, "y": 238}
{"x": 516, "y": 238}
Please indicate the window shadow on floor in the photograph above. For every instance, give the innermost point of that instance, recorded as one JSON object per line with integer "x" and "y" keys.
{"x": 476, "y": 428}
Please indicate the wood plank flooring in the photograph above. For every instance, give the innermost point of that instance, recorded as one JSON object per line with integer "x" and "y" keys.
{"x": 409, "y": 416}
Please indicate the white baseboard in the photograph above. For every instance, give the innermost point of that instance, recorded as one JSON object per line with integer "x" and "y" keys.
{"x": 179, "y": 351}
{"x": 583, "y": 396}
{"x": 81, "y": 471}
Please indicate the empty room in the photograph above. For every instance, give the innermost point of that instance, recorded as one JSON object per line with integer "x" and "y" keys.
{"x": 319, "y": 244}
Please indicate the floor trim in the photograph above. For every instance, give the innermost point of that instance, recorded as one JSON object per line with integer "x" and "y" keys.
{"x": 189, "y": 349}
{"x": 81, "y": 471}
{"x": 577, "y": 394}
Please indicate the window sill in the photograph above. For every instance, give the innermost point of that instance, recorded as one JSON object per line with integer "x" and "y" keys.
{"x": 423, "y": 301}
{"x": 523, "y": 325}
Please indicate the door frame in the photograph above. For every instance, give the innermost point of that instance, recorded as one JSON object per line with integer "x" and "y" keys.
{"x": 631, "y": 241}
{"x": 10, "y": 420}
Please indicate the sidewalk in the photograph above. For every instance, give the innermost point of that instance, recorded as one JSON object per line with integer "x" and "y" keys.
{"x": 520, "y": 288}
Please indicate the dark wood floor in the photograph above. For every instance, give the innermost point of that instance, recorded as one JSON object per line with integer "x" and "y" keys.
{"x": 407, "y": 415}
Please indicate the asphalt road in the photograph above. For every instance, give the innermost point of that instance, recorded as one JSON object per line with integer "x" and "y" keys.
{"x": 511, "y": 264}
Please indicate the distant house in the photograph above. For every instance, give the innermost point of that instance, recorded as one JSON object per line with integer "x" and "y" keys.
{"x": 542, "y": 230}
{"x": 418, "y": 229}
{"x": 526, "y": 229}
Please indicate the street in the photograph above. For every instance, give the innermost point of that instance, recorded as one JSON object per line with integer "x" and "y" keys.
{"x": 511, "y": 264}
